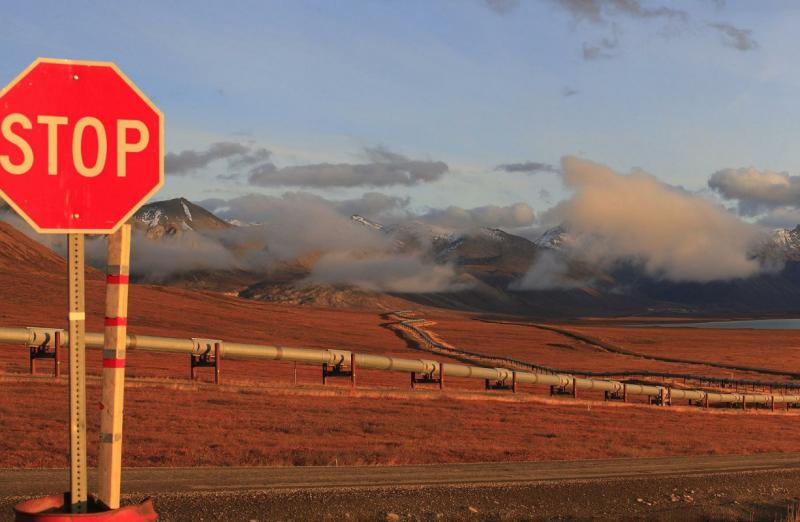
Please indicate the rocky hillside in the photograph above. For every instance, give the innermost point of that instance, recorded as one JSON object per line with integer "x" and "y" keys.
{"x": 174, "y": 217}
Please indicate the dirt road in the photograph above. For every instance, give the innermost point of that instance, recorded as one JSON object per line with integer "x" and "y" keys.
{"x": 176, "y": 480}
{"x": 729, "y": 487}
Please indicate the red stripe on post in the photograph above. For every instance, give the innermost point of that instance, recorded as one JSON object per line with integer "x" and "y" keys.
{"x": 117, "y": 279}
{"x": 116, "y": 321}
{"x": 113, "y": 363}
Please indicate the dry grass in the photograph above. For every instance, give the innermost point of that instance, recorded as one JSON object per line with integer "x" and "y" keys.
{"x": 792, "y": 512}
{"x": 172, "y": 423}
{"x": 776, "y": 349}
{"x": 758, "y": 349}
{"x": 228, "y": 426}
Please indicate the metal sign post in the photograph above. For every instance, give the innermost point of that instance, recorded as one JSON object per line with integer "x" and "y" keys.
{"x": 116, "y": 326}
{"x": 77, "y": 376}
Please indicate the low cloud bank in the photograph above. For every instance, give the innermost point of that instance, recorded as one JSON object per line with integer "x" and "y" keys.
{"x": 490, "y": 216}
{"x": 295, "y": 224}
{"x": 611, "y": 218}
{"x": 159, "y": 260}
{"x": 549, "y": 272}
{"x": 384, "y": 209}
{"x": 385, "y": 273}
{"x": 303, "y": 225}
{"x": 671, "y": 233}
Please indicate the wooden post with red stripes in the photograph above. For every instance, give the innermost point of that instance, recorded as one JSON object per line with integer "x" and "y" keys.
{"x": 116, "y": 331}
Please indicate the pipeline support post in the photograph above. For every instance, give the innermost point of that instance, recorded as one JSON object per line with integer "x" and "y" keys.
{"x": 217, "y": 362}
{"x": 114, "y": 356}
{"x": 57, "y": 354}
{"x": 352, "y": 370}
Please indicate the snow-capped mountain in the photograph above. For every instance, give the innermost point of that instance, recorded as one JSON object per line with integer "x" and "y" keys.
{"x": 488, "y": 254}
{"x": 174, "y": 216}
{"x": 366, "y": 222}
{"x": 492, "y": 259}
{"x": 421, "y": 234}
{"x": 555, "y": 238}
{"x": 411, "y": 235}
{"x": 787, "y": 243}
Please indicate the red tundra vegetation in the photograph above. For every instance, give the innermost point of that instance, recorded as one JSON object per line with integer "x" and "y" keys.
{"x": 260, "y": 417}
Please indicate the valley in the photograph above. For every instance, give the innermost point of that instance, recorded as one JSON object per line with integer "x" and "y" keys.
{"x": 269, "y": 413}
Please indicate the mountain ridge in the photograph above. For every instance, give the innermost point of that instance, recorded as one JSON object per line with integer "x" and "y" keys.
{"x": 491, "y": 261}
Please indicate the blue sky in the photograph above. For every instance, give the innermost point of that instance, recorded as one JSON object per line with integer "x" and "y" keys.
{"x": 471, "y": 83}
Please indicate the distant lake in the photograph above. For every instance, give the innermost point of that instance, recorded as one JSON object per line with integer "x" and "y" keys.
{"x": 760, "y": 324}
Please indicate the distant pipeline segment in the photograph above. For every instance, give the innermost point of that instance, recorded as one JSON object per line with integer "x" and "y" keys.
{"x": 146, "y": 343}
{"x": 622, "y": 351}
{"x": 415, "y": 324}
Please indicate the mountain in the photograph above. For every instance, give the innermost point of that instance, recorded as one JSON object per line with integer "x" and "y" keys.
{"x": 775, "y": 290}
{"x": 173, "y": 235}
{"x": 325, "y": 296}
{"x": 175, "y": 216}
{"x": 361, "y": 220}
{"x": 416, "y": 236}
{"x": 491, "y": 255}
{"x": 183, "y": 239}
{"x": 784, "y": 244}
{"x": 555, "y": 238}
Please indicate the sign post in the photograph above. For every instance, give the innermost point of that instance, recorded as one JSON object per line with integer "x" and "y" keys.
{"x": 116, "y": 326}
{"x": 83, "y": 134}
{"x": 77, "y": 375}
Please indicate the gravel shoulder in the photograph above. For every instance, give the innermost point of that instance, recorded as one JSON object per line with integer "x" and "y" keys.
{"x": 730, "y": 488}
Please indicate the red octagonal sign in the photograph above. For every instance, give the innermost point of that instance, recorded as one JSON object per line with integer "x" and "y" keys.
{"x": 81, "y": 148}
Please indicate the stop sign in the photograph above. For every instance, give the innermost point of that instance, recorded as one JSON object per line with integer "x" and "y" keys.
{"x": 81, "y": 148}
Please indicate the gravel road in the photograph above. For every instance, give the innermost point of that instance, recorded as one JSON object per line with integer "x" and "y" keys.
{"x": 758, "y": 487}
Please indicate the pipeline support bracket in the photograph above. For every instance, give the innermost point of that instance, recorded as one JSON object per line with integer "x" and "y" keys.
{"x": 428, "y": 378}
{"x": 207, "y": 353}
{"x": 339, "y": 370}
{"x": 566, "y": 389}
{"x": 45, "y": 344}
{"x": 621, "y": 396}
{"x": 502, "y": 385}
